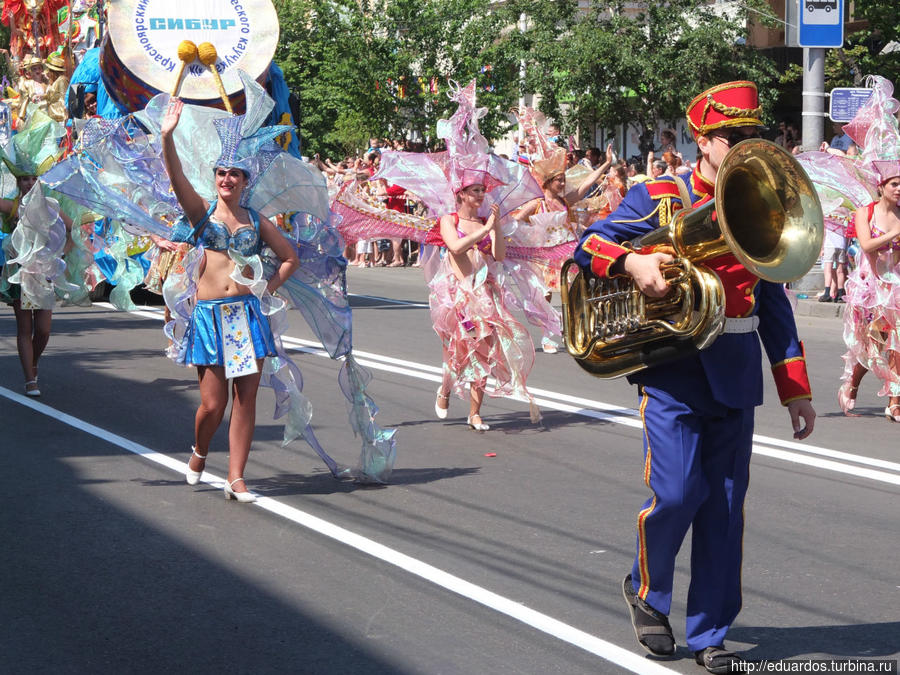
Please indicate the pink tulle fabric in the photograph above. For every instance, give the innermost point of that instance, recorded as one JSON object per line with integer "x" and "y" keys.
{"x": 872, "y": 320}
{"x": 549, "y": 230}
{"x": 479, "y": 335}
{"x": 436, "y": 177}
{"x": 872, "y": 313}
{"x": 535, "y": 125}
{"x": 364, "y": 217}
{"x": 874, "y": 128}
{"x": 472, "y": 316}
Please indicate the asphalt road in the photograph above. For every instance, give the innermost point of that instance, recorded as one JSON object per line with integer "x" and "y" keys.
{"x": 465, "y": 563}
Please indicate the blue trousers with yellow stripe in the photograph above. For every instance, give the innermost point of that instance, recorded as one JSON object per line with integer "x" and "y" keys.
{"x": 697, "y": 463}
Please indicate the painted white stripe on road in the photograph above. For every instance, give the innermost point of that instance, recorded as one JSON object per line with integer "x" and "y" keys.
{"x": 788, "y": 451}
{"x": 515, "y": 610}
{"x": 390, "y": 301}
{"x": 766, "y": 446}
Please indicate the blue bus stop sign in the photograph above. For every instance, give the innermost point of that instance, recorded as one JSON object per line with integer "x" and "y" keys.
{"x": 821, "y": 23}
{"x": 845, "y": 101}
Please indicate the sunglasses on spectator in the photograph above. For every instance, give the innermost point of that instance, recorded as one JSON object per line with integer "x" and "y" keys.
{"x": 734, "y": 137}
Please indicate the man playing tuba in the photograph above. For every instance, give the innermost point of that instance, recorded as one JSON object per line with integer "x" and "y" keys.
{"x": 698, "y": 410}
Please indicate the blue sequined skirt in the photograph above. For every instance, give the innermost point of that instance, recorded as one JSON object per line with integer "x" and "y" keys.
{"x": 202, "y": 344}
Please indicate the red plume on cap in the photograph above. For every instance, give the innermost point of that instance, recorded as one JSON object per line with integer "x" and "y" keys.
{"x": 732, "y": 104}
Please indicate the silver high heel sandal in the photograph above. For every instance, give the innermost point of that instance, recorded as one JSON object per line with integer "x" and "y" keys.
{"x": 242, "y": 497}
{"x": 31, "y": 388}
{"x": 193, "y": 477}
{"x": 481, "y": 426}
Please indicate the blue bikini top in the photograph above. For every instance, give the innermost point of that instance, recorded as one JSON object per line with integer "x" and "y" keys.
{"x": 212, "y": 234}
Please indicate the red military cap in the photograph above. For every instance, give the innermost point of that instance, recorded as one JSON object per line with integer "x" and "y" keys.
{"x": 732, "y": 104}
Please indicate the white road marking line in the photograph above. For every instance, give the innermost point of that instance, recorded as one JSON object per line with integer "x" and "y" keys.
{"x": 766, "y": 446}
{"x": 392, "y": 301}
{"x": 515, "y": 610}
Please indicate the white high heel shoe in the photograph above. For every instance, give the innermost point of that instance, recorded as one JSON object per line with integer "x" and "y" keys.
{"x": 242, "y": 497}
{"x": 892, "y": 412}
{"x": 549, "y": 346}
{"x": 481, "y": 426}
{"x": 193, "y": 477}
{"x": 438, "y": 410}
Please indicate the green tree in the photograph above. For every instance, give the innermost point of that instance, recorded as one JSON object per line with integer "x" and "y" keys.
{"x": 874, "y": 49}
{"x": 422, "y": 45}
{"x": 620, "y": 66}
{"x": 385, "y": 64}
{"x": 318, "y": 50}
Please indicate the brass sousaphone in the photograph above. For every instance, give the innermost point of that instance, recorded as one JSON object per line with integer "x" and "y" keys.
{"x": 765, "y": 212}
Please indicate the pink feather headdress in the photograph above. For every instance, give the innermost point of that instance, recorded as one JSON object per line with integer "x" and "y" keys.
{"x": 875, "y": 130}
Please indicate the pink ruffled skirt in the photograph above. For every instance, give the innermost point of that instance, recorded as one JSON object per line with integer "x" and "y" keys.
{"x": 480, "y": 336}
{"x": 872, "y": 325}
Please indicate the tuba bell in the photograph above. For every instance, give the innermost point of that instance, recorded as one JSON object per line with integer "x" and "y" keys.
{"x": 765, "y": 212}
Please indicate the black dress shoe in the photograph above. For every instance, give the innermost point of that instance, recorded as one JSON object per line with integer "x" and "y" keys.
{"x": 651, "y": 628}
{"x": 719, "y": 660}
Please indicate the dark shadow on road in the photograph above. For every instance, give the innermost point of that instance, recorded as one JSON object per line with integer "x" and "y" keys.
{"x": 518, "y": 422}
{"x": 64, "y": 325}
{"x": 92, "y": 588}
{"x": 513, "y": 422}
{"x": 859, "y": 411}
{"x": 323, "y": 483}
{"x": 863, "y": 640}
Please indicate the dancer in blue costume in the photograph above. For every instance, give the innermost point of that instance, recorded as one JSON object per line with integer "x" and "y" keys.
{"x": 119, "y": 172}
{"x": 217, "y": 340}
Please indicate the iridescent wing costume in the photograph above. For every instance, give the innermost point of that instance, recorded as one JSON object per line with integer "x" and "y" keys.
{"x": 118, "y": 172}
{"x": 430, "y": 178}
{"x": 872, "y": 314}
{"x": 471, "y": 316}
{"x": 37, "y": 270}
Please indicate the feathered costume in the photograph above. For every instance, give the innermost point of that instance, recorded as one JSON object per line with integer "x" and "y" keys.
{"x": 426, "y": 177}
{"x": 32, "y": 25}
{"x": 118, "y": 172}
{"x": 471, "y": 316}
{"x": 872, "y": 314}
{"x": 33, "y": 236}
{"x": 551, "y": 226}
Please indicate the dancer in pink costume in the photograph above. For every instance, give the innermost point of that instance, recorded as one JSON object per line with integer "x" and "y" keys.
{"x": 479, "y": 336}
{"x": 872, "y": 319}
{"x": 470, "y": 283}
{"x": 871, "y": 184}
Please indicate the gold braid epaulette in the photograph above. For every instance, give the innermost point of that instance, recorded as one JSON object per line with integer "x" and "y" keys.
{"x": 665, "y": 211}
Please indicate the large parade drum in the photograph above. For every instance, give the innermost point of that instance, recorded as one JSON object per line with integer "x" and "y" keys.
{"x": 139, "y": 58}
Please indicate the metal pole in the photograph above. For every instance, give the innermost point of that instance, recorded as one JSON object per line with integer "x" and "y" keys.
{"x": 813, "y": 97}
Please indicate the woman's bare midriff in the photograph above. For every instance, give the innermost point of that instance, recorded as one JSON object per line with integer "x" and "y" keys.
{"x": 215, "y": 280}
{"x": 463, "y": 264}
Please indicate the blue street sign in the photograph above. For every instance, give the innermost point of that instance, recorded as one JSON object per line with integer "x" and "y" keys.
{"x": 845, "y": 101}
{"x": 821, "y": 23}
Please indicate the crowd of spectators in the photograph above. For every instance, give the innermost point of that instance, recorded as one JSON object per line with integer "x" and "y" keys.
{"x": 666, "y": 160}
{"x": 363, "y": 166}
{"x": 361, "y": 169}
